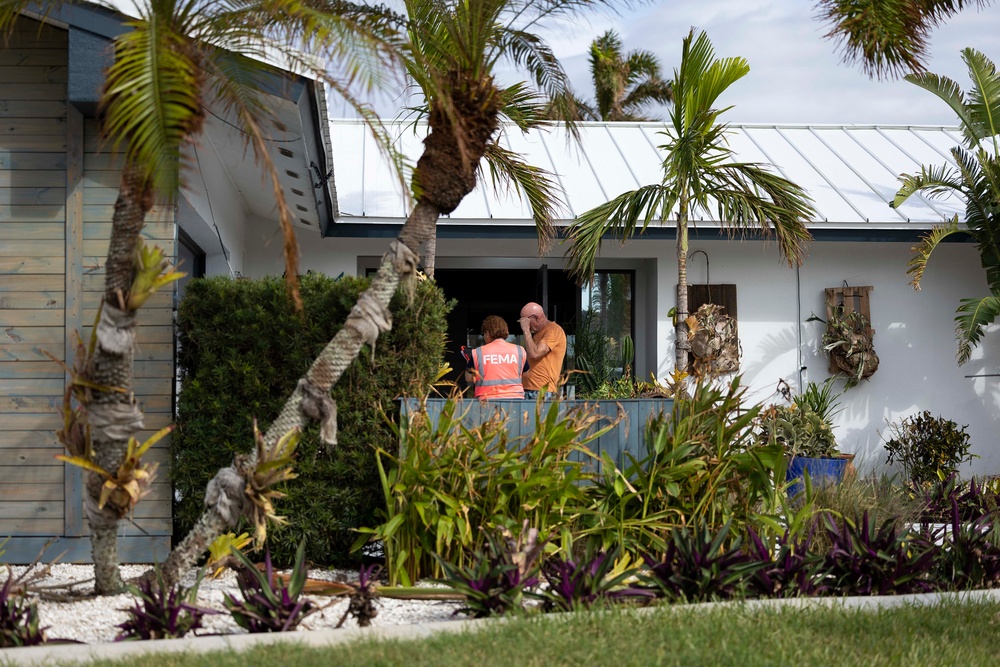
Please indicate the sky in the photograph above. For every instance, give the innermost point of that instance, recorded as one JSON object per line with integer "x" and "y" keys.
{"x": 796, "y": 75}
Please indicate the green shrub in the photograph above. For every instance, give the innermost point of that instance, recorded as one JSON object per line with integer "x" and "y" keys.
{"x": 241, "y": 352}
{"x": 454, "y": 486}
{"x": 930, "y": 448}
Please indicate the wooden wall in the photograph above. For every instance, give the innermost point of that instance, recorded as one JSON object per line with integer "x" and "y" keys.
{"x": 58, "y": 185}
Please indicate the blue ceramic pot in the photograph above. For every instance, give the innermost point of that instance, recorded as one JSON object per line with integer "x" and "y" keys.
{"x": 821, "y": 471}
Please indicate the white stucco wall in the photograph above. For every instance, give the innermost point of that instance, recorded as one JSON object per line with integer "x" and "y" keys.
{"x": 914, "y": 330}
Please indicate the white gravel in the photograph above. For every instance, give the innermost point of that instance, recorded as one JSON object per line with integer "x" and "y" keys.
{"x": 93, "y": 619}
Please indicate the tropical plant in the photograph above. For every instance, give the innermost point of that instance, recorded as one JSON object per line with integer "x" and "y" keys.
{"x": 270, "y": 603}
{"x": 975, "y": 176}
{"x": 220, "y": 552}
{"x": 970, "y": 552}
{"x": 978, "y": 499}
{"x": 820, "y": 398}
{"x": 929, "y": 448}
{"x": 848, "y": 340}
{"x": 19, "y": 621}
{"x": 701, "y": 464}
{"x": 702, "y": 564}
{"x": 202, "y": 54}
{"x": 594, "y": 579}
{"x": 495, "y": 579}
{"x": 888, "y": 37}
{"x": 162, "y": 612}
{"x": 362, "y": 596}
{"x": 451, "y": 50}
{"x": 625, "y": 84}
{"x": 798, "y": 430}
{"x": 697, "y": 170}
{"x": 791, "y": 568}
{"x": 453, "y": 485}
{"x": 868, "y": 558}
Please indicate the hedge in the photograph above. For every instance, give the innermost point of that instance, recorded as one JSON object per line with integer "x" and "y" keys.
{"x": 241, "y": 351}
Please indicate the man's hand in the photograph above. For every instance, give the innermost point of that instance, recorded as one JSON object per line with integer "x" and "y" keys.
{"x": 525, "y": 323}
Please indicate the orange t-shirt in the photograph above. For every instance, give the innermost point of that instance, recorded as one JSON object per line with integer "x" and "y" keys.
{"x": 544, "y": 372}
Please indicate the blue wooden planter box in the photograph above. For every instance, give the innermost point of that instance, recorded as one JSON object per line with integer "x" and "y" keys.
{"x": 626, "y": 437}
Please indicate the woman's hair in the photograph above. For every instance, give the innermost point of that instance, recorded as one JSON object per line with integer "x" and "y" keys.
{"x": 495, "y": 327}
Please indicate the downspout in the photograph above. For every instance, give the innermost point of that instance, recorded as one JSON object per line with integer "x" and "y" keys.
{"x": 798, "y": 327}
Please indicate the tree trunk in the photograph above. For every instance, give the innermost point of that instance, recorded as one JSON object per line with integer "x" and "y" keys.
{"x": 114, "y": 416}
{"x": 430, "y": 254}
{"x": 369, "y": 317}
{"x": 681, "y": 342}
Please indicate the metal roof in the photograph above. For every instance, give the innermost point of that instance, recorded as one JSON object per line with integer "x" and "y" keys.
{"x": 850, "y": 171}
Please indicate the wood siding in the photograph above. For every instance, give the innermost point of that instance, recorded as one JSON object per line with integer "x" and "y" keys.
{"x": 58, "y": 186}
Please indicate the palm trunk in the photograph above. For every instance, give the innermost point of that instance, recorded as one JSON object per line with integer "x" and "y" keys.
{"x": 430, "y": 254}
{"x": 369, "y": 317}
{"x": 114, "y": 416}
{"x": 681, "y": 343}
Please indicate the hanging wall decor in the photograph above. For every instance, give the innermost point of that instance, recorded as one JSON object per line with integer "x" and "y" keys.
{"x": 715, "y": 343}
{"x": 848, "y": 339}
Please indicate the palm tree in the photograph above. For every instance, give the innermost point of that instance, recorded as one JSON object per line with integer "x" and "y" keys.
{"x": 697, "y": 169}
{"x": 176, "y": 56}
{"x": 976, "y": 178}
{"x": 625, "y": 84}
{"x": 888, "y": 37}
{"x": 451, "y": 50}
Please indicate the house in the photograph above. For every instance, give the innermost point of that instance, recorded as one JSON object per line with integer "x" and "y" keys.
{"x": 58, "y": 185}
{"x": 488, "y": 259}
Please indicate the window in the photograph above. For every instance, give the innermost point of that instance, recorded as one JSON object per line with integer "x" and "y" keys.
{"x": 606, "y": 322}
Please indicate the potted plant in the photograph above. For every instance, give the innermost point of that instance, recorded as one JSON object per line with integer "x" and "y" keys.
{"x": 809, "y": 443}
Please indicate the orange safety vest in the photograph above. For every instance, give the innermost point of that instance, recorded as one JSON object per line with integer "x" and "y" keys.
{"x": 499, "y": 365}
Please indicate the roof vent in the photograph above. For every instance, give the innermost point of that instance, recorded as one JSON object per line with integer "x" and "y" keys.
{"x": 302, "y": 208}
{"x": 281, "y": 126}
{"x": 296, "y": 191}
{"x": 291, "y": 173}
{"x": 305, "y": 222}
{"x": 286, "y": 152}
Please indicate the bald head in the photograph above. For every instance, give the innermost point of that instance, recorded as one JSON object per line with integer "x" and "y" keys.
{"x": 536, "y": 316}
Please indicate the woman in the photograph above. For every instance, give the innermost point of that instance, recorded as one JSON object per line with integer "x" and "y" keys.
{"x": 496, "y": 367}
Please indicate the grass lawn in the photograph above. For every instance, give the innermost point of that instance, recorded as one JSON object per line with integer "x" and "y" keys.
{"x": 967, "y": 635}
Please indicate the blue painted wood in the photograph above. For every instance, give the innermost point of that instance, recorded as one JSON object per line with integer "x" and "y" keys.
{"x": 136, "y": 549}
{"x": 625, "y": 438}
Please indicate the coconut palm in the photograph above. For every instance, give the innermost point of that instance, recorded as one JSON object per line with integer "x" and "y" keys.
{"x": 625, "y": 84}
{"x": 178, "y": 58}
{"x": 697, "y": 170}
{"x": 888, "y": 37}
{"x": 976, "y": 178}
{"x": 451, "y": 50}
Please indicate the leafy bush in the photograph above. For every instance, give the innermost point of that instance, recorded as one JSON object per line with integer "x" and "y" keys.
{"x": 19, "y": 620}
{"x": 454, "y": 485}
{"x": 241, "y": 352}
{"x": 820, "y": 398}
{"x": 699, "y": 566}
{"x": 162, "y": 613}
{"x": 701, "y": 464}
{"x": 799, "y": 430}
{"x": 582, "y": 584}
{"x": 494, "y": 581}
{"x": 270, "y": 605}
{"x": 876, "y": 559}
{"x": 792, "y": 569}
{"x": 970, "y": 554}
{"x": 929, "y": 448}
{"x": 973, "y": 501}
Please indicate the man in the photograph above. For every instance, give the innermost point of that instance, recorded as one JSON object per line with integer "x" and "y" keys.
{"x": 545, "y": 342}
{"x": 496, "y": 368}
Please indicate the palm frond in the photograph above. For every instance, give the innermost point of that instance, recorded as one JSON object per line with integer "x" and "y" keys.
{"x": 620, "y": 218}
{"x": 921, "y": 252}
{"x": 984, "y": 98}
{"x": 974, "y": 315}
{"x": 508, "y": 169}
{"x": 948, "y": 91}
{"x": 932, "y": 181}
